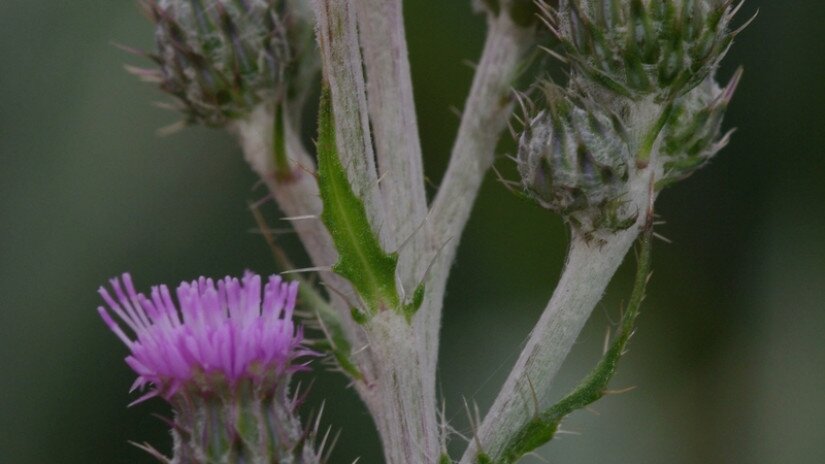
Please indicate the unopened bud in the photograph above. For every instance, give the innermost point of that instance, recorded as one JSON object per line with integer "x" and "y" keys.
{"x": 574, "y": 159}
{"x": 221, "y": 58}
{"x": 693, "y": 133}
{"x": 638, "y": 48}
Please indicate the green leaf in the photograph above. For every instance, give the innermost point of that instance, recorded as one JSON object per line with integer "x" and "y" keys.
{"x": 543, "y": 427}
{"x": 361, "y": 260}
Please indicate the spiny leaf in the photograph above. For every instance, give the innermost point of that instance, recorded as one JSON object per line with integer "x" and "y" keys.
{"x": 543, "y": 427}
{"x": 361, "y": 260}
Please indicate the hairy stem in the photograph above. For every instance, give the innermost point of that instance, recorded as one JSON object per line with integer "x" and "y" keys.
{"x": 400, "y": 395}
{"x": 590, "y": 267}
{"x": 588, "y": 270}
{"x": 296, "y": 191}
{"x": 485, "y": 116}
{"x": 404, "y": 415}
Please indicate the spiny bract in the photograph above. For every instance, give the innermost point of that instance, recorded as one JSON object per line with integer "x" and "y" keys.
{"x": 574, "y": 159}
{"x": 638, "y": 48}
{"x": 221, "y": 58}
{"x": 693, "y": 133}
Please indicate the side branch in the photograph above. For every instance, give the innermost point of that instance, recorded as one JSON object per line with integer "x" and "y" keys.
{"x": 588, "y": 270}
{"x": 485, "y": 116}
{"x": 544, "y": 425}
{"x": 590, "y": 267}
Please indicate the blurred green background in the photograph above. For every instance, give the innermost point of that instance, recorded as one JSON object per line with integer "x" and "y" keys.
{"x": 729, "y": 358}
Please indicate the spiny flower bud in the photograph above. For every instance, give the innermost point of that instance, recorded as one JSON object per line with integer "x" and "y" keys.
{"x": 223, "y": 360}
{"x": 574, "y": 159}
{"x": 638, "y": 48}
{"x": 220, "y": 58}
{"x": 692, "y": 134}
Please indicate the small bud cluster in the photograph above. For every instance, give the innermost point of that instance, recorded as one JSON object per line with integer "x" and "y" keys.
{"x": 221, "y": 58}
{"x": 641, "y": 106}
{"x": 641, "y": 47}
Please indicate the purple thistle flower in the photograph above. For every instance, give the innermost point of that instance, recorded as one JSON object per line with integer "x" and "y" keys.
{"x": 221, "y": 334}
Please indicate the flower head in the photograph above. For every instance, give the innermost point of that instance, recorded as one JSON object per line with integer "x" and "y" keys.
{"x": 573, "y": 159}
{"x": 220, "y": 333}
{"x": 220, "y": 59}
{"x": 637, "y": 48}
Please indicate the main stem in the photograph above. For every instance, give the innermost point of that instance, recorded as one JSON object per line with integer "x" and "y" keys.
{"x": 404, "y": 414}
{"x": 395, "y": 132}
{"x": 400, "y": 394}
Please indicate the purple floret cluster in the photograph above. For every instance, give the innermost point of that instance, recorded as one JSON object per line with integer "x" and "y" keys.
{"x": 225, "y": 332}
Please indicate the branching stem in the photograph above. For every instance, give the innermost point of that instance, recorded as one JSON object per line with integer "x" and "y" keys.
{"x": 485, "y": 116}
{"x": 590, "y": 266}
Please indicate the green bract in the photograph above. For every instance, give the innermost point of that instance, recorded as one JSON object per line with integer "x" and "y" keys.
{"x": 573, "y": 159}
{"x": 221, "y": 58}
{"x": 693, "y": 133}
{"x": 638, "y": 48}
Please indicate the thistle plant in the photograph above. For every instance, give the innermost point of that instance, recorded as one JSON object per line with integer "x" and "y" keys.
{"x": 640, "y": 110}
